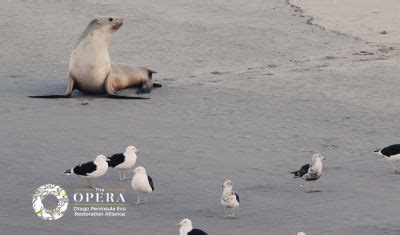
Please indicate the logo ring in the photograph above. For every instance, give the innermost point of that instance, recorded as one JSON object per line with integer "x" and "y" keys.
{"x": 44, "y": 191}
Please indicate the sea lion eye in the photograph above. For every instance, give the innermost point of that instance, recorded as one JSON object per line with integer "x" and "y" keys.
{"x": 110, "y": 19}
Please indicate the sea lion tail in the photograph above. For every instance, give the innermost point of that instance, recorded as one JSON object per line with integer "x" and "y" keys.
{"x": 50, "y": 96}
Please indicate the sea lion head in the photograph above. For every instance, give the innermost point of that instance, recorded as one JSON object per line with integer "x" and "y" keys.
{"x": 104, "y": 24}
{"x": 109, "y": 23}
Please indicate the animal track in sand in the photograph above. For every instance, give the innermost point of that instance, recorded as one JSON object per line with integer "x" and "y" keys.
{"x": 218, "y": 72}
{"x": 262, "y": 67}
{"x": 17, "y": 76}
{"x": 362, "y": 53}
{"x": 329, "y": 57}
{"x": 269, "y": 73}
{"x": 377, "y": 58}
{"x": 171, "y": 79}
{"x": 323, "y": 65}
{"x": 385, "y": 49}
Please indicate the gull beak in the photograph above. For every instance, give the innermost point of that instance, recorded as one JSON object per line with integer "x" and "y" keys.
{"x": 107, "y": 159}
{"x": 178, "y": 225}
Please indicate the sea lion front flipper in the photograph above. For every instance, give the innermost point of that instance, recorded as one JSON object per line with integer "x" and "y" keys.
{"x": 70, "y": 86}
{"x": 50, "y": 96}
{"x": 68, "y": 92}
{"x": 111, "y": 91}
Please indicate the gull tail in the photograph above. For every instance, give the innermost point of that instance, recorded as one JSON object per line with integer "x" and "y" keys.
{"x": 110, "y": 164}
{"x": 295, "y": 173}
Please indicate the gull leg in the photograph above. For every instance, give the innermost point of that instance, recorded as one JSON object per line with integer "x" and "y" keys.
{"x": 394, "y": 167}
{"x": 138, "y": 198}
{"x": 233, "y": 212}
{"x": 315, "y": 185}
{"x": 90, "y": 183}
{"x": 88, "y": 180}
{"x": 226, "y": 213}
{"x": 120, "y": 175}
{"x": 126, "y": 178}
{"x": 145, "y": 198}
{"x": 307, "y": 185}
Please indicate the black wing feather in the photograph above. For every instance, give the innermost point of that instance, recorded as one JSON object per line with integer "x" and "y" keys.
{"x": 303, "y": 170}
{"x": 85, "y": 168}
{"x": 391, "y": 150}
{"x": 151, "y": 182}
{"x": 116, "y": 159}
{"x": 237, "y": 197}
{"x": 197, "y": 231}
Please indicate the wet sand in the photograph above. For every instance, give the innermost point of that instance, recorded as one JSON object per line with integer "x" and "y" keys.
{"x": 250, "y": 92}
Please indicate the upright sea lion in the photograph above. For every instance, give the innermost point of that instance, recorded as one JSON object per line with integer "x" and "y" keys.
{"x": 91, "y": 70}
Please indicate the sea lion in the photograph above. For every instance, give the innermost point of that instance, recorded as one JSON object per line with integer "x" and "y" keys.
{"x": 91, "y": 70}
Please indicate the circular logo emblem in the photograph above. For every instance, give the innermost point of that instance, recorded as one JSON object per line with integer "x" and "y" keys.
{"x": 50, "y": 190}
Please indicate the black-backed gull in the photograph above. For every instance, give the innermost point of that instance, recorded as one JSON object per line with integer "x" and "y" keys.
{"x": 186, "y": 228}
{"x": 123, "y": 161}
{"x": 392, "y": 154}
{"x": 313, "y": 171}
{"x": 142, "y": 183}
{"x": 229, "y": 199}
{"x": 91, "y": 170}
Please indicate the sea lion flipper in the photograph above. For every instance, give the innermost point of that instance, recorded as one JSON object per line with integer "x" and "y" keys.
{"x": 127, "y": 97}
{"x": 70, "y": 86}
{"x": 143, "y": 90}
{"x": 146, "y": 88}
{"x": 111, "y": 91}
{"x": 68, "y": 92}
{"x": 50, "y": 96}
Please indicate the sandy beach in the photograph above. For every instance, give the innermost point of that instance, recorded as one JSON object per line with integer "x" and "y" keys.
{"x": 368, "y": 20}
{"x": 250, "y": 90}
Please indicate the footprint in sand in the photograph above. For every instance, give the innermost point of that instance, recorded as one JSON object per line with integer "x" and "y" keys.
{"x": 329, "y": 57}
{"x": 218, "y": 72}
{"x": 362, "y": 53}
